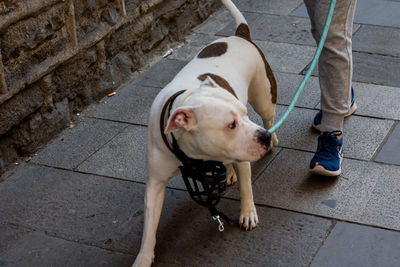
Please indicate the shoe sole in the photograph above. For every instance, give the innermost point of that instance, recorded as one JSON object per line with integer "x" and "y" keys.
{"x": 320, "y": 170}
{"x": 348, "y": 114}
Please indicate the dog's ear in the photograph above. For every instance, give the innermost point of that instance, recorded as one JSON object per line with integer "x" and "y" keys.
{"x": 209, "y": 82}
{"x": 183, "y": 117}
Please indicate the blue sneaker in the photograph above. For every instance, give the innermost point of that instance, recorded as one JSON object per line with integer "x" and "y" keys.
{"x": 328, "y": 158}
{"x": 318, "y": 118}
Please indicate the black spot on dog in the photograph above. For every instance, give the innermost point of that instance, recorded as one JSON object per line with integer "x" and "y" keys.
{"x": 214, "y": 50}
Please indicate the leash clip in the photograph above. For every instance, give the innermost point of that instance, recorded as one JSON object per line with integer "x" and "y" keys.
{"x": 221, "y": 224}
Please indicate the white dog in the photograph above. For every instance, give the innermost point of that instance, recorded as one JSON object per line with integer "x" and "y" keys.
{"x": 208, "y": 117}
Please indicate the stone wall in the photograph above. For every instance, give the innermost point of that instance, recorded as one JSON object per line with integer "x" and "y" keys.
{"x": 58, "y": 56}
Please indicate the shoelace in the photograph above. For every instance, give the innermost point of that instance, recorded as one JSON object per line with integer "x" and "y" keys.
{"x": 327, "y": 145}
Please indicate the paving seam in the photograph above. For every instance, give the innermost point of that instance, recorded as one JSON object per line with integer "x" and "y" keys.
{"x": 269, "y": 163}
{"x": 378, "y": 150}
{"x": 88, "y": 157}
{"x": 46, "y": 233}
{"x": 309, "y": 151}
{"x": 322, "y": 216}
{"x": 86, "y": 173}
{"x": 327, "y": 233}
{"x": 122, "y": 122}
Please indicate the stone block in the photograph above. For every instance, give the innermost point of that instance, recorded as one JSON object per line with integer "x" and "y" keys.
{"x": 132, "y": 5}
{"x": 108, "y": 213}
{"x": 94, "y": 17}
{"x": 79, "y": 80}
{"x": 78, "y": 143}
{"x": 29, "y": 43}
{"x": 39, "y": 128}
{"x": 22, "y": 247}
{"x": 373, "y": 247}
{"x": 20, "y": 106}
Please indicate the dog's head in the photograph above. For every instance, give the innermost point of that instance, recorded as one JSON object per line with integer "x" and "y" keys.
{"x": 212, "y": 124}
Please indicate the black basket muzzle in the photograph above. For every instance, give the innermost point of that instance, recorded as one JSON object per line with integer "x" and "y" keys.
{"x": 205, "y": 181}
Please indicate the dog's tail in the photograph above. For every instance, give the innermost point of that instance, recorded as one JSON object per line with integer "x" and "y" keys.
{"x": 242, "y": 28}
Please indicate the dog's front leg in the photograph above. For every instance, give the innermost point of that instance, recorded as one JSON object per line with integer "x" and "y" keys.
{"x": 153, "y": 202}
{"x": 248, "y": 214}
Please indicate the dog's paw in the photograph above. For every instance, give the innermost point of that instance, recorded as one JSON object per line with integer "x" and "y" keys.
{"x": 143, "y": 260}
{"x": 248, "y": 219}
{"x": 231, "y": 177}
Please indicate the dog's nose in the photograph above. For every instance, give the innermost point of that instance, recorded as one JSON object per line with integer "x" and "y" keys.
{"x": 264, "y": 138}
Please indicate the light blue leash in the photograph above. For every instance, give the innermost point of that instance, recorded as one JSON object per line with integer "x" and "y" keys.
{"x": 310, "y": 70}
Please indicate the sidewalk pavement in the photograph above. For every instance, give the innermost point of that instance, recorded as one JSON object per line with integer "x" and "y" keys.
{"x": 79, "y": 201}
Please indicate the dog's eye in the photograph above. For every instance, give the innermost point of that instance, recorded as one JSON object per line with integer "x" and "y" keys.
{"x": 232, "y": 125}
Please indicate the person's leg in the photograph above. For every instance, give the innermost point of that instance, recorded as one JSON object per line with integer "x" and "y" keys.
{"x": 335, "y": 63}
{"x": 335, "y": 75}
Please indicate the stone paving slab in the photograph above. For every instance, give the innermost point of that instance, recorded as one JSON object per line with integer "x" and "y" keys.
{"x": 365, "y": 192}
{"x": 161, "y": 73}
{"x": 376, "y": 69}
{"x": 195, "y": 43}
{"x": 374, "y": 12}
{"x": 287, "y": 86}
{"x": 282, "y": 29}
{"x": 281, "y": 239}
{"x": 74, "y": 145}
{"x": 390, "y": 150}
{"x": 356, "y": 245}
{"x": 131, "y": 104}
{"x": 275, "y": 7}
{"x": 108, "y": 214}
{"x": 214, "y": 23}
{"x": 377, "y": 101}
{"x": 377, "y": 40}
{"x": 21, "y": 247}
{"x": 372, "y": 68}
{"x": 82, "y": 208}
{"x": 124, "y": 157}
{"x": 277, "y": 54}
{"x": 362, "y": 135}
{"x": 288, "y": 58}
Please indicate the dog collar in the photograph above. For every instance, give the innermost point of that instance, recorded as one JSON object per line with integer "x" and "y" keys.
{"x": 210, "y": 176}
{"x": 164, "y": 118}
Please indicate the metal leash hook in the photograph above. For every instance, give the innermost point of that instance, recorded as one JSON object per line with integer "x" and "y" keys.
{"x": 221, "y": 224}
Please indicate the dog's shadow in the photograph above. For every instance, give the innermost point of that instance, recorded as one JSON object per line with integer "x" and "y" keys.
{"x": 186, "y": 229}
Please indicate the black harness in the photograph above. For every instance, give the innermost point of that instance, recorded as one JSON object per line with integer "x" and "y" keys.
{"x": 204, "y": 180}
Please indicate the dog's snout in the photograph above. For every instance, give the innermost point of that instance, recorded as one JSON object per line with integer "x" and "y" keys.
{"x": 264, "y": 138}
